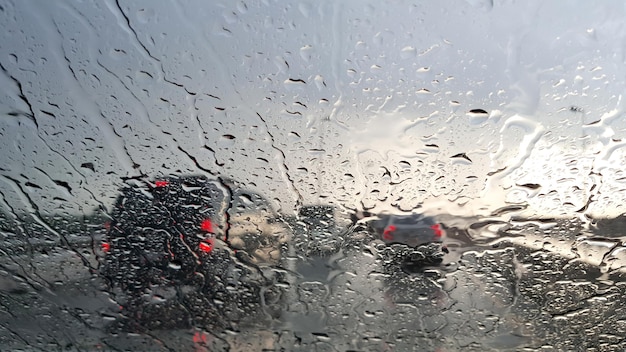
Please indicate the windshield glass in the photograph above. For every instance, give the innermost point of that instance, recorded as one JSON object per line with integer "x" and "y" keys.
{"x": 312, "y": 175}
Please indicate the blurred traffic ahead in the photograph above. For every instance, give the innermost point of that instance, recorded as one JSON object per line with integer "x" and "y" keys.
{"x": 189, "y": 251}
{"x": 196, "y": 263}
{"x": 202, "y": 251}
{"x": 190, "y": 262}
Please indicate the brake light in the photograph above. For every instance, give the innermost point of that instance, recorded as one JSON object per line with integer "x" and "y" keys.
{"x": 438, "y": 230}
{"x": 206, "y": 225}
{"x": 199, "y": 338}
{"x": 388, "y": 232}
{"x": 206, "y": 246}
{"x": 106, "y": 247}
{"x": 161, "y": 183}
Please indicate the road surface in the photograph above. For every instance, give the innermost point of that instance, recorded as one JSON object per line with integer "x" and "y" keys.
{"x": 513, "y": 286}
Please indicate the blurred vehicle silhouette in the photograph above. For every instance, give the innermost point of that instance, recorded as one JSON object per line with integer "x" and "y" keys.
{"x": 186, "y": 250}
{"x": 411, "y": 240}
{"x": 412, "y": 230}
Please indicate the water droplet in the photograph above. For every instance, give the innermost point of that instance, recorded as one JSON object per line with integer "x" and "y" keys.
{"x": 408, "y": 52}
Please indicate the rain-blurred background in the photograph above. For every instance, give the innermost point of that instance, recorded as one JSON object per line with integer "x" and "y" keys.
{"x": 503, "y": 118}
{"x": 466, "y": 106}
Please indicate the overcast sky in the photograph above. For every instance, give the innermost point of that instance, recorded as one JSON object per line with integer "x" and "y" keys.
{"x": 346, "y": 102}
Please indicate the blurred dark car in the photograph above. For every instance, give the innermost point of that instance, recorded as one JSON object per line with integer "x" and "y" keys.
{"x": 412, "y": 230}
{"x": 186, "y": 251}
{"x": 409, "y": 241}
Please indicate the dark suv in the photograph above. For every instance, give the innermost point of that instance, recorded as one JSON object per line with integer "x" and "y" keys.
{"x": 188, "y": 250}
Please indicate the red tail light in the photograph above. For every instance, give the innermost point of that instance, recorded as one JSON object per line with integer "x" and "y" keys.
{"x": 388, "y": 232}
{"x": 206, "y": 246}
{"x": 161, "y": 183}
{"x": 106, "y": 247}
{"x": 438, "y": 230}
{"x": 206, "y": 225}
{"x": 199, "y": 337}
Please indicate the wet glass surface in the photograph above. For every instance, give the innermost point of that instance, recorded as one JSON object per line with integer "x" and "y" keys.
{"x": 312, "y": 176}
